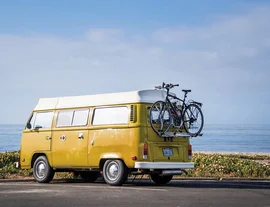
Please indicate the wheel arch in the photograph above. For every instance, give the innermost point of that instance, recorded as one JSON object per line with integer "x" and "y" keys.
{"x": 36, "y": 155}
{"x": 103, "y": 160}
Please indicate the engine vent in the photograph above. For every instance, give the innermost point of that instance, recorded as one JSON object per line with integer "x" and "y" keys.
{"x": 133, "y": 113}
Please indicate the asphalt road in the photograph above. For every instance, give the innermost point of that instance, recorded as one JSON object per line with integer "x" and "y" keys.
{"x": 140, "y": 193}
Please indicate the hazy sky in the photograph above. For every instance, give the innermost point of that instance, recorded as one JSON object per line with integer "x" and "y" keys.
{"x": 219, "y": 49}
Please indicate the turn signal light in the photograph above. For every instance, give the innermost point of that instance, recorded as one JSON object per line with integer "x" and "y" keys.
{"x": 189, "y": 151}
{"x": 145, "y": 151}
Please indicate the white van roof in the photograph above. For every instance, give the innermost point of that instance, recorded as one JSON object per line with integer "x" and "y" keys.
{"x": 142, "y": 96}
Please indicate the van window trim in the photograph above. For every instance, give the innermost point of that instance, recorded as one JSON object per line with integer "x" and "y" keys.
{"x": 102, "y": 107}
{"x": 34, "y": 115}
{"x": 87, "y": 120}
{"x": 31, "y": 118}
{"x": 73, "y": 110}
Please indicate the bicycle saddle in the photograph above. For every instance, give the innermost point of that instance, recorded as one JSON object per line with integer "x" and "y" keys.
{"x": 186, "y": 91}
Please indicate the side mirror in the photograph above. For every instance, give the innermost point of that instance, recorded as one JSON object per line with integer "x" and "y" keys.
{"x": 37, "y": 127}
{"x": 28, "y": 126}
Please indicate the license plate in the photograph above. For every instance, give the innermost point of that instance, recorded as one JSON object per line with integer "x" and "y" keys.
{"x": 167, "y": 151}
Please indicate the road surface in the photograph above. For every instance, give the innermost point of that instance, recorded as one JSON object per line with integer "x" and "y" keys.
{"x": 139, "y": 193}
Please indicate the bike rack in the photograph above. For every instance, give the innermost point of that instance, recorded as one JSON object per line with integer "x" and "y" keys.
{"x": 174, "y": 134}
{"x": 171, "y": 135}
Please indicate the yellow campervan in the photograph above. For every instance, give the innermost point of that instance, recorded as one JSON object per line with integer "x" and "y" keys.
{"x": 107, "y": 132}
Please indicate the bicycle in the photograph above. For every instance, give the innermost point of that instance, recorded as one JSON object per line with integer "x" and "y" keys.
{"x": 164, "y": 114}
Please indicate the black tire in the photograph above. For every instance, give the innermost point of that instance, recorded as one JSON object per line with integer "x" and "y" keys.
{"x": 161, "y": 180}
{"x": 42, "y": 171}
{"x": 115, "y": 172}
{"x": 193, "y": 120}
{"x": 159, "y": 117}
{"x": 89, "y": 176}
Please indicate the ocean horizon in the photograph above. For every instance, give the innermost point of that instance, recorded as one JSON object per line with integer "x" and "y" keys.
{"x": 216, "y": 138}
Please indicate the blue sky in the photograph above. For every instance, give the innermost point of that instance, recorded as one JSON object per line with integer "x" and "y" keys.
{"x": 219, "y": 49}
{"x": 70, "y": 18}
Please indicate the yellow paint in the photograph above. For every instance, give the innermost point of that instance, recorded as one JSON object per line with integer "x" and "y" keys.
{"x": 100, "y": 142}
{"x": 34, "y": 141}
{"x": 71, "y": 151}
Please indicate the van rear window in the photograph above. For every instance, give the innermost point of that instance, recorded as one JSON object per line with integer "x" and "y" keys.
{"x": 110, "y": 115}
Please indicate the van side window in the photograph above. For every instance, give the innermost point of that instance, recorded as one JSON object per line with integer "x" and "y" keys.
{"x": 80, "y": 117}
{"x": 43, "y": 120}
{"x": 64, "y": 118}
{"x": 112, "y": 115}
{"x": 72, "y": 118}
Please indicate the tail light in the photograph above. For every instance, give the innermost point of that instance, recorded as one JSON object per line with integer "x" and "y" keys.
{"x": 189, "y": 151}
{"x": 145, "y": 151}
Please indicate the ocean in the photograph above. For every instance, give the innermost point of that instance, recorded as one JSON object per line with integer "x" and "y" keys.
{"x": 216, "y": 138}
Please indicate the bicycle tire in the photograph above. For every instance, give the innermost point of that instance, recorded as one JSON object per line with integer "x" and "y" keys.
{"x": 159, "y": 117}
{"x": 192, "y": 114}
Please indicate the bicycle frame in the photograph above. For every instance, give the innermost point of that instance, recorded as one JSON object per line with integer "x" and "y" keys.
{"x": 183, "y": 106}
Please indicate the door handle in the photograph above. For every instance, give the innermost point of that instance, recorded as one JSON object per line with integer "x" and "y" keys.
{"x": 63, "y": 137}
{"x": 80, "y": 136}
{"x": 48, "y": 138}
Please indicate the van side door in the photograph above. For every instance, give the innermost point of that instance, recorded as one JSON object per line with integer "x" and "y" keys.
{"x": 109, "y": 134}
{"x": 70, "y": 138}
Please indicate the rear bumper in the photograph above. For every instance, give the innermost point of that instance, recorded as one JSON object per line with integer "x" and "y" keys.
{"x": 164, "y": 165}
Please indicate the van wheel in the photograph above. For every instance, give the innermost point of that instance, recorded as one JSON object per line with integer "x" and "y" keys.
{"x": 115, "y": 172}
{"x": 161, "y": 180}
{"x": 42, "y": 171}
{"x": 89, "y": 176}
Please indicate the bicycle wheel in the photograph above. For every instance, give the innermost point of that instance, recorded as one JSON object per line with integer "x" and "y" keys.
{"x": 159, "y": 117}
{"x": 193, "y": 120}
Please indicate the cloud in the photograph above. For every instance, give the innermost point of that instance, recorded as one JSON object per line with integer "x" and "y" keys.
{"x": 225, "y": 63}
{"x": 99, "y": 35}
{"x": 236, "y": 47}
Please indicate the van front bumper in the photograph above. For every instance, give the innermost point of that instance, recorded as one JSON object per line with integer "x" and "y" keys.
{"x": 164, "y": 165}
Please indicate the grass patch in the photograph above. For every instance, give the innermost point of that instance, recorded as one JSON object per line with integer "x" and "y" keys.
{"x": 206, "y": 165}
{"x": 230, "y": 165}
{"x": 8, "y": 168}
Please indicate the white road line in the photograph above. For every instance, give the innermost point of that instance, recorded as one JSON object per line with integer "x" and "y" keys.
{"x": 86, "y": 186}
{"x": 120, "y": 188}
{"x": 29, "y": 191}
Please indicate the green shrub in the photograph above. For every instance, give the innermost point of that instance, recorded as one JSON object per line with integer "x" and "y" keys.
{"x": 206, "y": 165}
{"x": 9, "y": 158}
{"x": 7, "y": 166}
{"x": 218, "y": 165}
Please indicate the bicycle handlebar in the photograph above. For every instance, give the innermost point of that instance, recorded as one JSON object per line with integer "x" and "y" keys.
{"x": 167, "y": 86}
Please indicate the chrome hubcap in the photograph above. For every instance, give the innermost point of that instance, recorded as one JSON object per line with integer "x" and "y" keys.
{"x": 113, "y": 171}
{"x": 41, "y": 170}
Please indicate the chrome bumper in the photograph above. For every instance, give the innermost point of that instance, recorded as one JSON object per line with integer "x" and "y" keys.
{"x": 164, "y": 165}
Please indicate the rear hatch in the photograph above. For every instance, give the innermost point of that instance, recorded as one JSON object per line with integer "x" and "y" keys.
{"x": 161, "y": 149}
